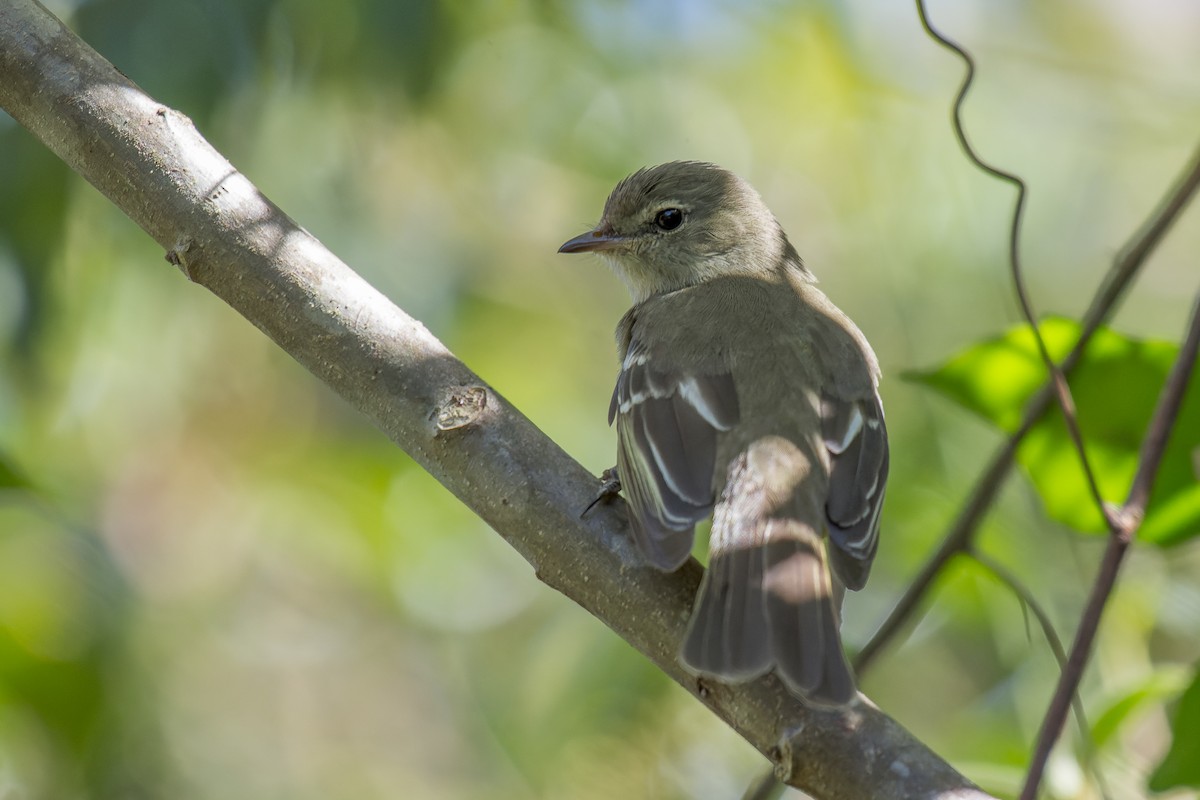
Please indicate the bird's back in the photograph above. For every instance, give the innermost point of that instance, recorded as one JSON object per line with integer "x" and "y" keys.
{"x": 773, "y": 347}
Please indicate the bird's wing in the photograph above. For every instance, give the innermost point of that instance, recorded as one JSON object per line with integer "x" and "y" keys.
{"x": 667, "y": 425}
{"x": 856, "y": 438}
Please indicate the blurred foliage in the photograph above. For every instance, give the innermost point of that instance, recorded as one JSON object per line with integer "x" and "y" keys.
{"x": 1162, "y": 685}
{"x": 1115, "y": 387}
{"x": 11, "y": 476}
{"x": 1181, "y": 767}
{"x": 217, "y": 582}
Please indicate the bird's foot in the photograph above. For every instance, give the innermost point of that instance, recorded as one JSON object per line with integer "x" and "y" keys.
{"x": 610, "y": 486}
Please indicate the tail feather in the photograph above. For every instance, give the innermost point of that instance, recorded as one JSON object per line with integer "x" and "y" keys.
{"x": 728, "y": 636}
{"x": 803, "y": 615}
{"x": 768, "y": 599}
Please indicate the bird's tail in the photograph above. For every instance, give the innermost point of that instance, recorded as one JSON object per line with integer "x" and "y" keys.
{"x": 768, "y": 600}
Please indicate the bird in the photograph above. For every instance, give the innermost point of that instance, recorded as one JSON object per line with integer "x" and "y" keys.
{"x": 746, "y": 395}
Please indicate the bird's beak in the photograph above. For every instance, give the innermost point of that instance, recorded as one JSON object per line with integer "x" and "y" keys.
{"x": 601, "y": 238}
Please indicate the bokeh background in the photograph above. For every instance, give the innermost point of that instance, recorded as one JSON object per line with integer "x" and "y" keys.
{"x": 217, "y": 581}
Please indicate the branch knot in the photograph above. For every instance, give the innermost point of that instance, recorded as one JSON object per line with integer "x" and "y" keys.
{"x": 461, "y": 407}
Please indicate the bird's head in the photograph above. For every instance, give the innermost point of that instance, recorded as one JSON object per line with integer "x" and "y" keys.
{"x": 684, "y": 223}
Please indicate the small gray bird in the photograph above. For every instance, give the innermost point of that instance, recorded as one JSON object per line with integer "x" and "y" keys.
{"x": 746, "y": 394}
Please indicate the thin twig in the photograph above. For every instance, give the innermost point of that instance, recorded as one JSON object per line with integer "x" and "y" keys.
{"x": 1165, "y": 414}
{"x": 1025, "y": 596}
{"x": 1028, "y": 601}
{"x": 1130, "y": 519}
{"x": 1133, "y": 255}
{"x": 1061, "y": 388}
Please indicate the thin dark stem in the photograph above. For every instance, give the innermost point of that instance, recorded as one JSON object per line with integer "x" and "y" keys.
{"x": 1135, "y": 252}
{"x": 1061, "y": 389}
{"x": 1068, "y": 681}
{"x": 1165, "y": 414}
{"x": 1130, "y": 519}
{"x": 1023, "y": 593}
{"x": 1028, "y": 601}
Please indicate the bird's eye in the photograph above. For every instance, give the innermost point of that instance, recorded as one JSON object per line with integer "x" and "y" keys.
{"x": 668, "y": 219}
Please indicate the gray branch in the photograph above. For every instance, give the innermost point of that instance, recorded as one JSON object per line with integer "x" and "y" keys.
{"x": 226, "y": 236}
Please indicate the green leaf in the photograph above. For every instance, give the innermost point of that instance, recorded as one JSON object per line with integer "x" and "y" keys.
{"x": 1116, "y": 387}
{"x": 996, "y": 377}
{"x": 1155, "y": 689}
{"x": 1181, "y": 766}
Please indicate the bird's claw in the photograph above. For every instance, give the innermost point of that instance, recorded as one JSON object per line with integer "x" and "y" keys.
{"x": 610, "y": 486}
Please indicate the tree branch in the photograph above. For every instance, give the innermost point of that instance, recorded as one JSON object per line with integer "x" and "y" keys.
{"x": 226, "y": 236}
{"x": 1129, "y": 518}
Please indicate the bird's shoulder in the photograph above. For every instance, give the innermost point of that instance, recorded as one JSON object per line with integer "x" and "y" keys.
{"x": 710, "y": 317}
{"x": 740, "y": 322}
